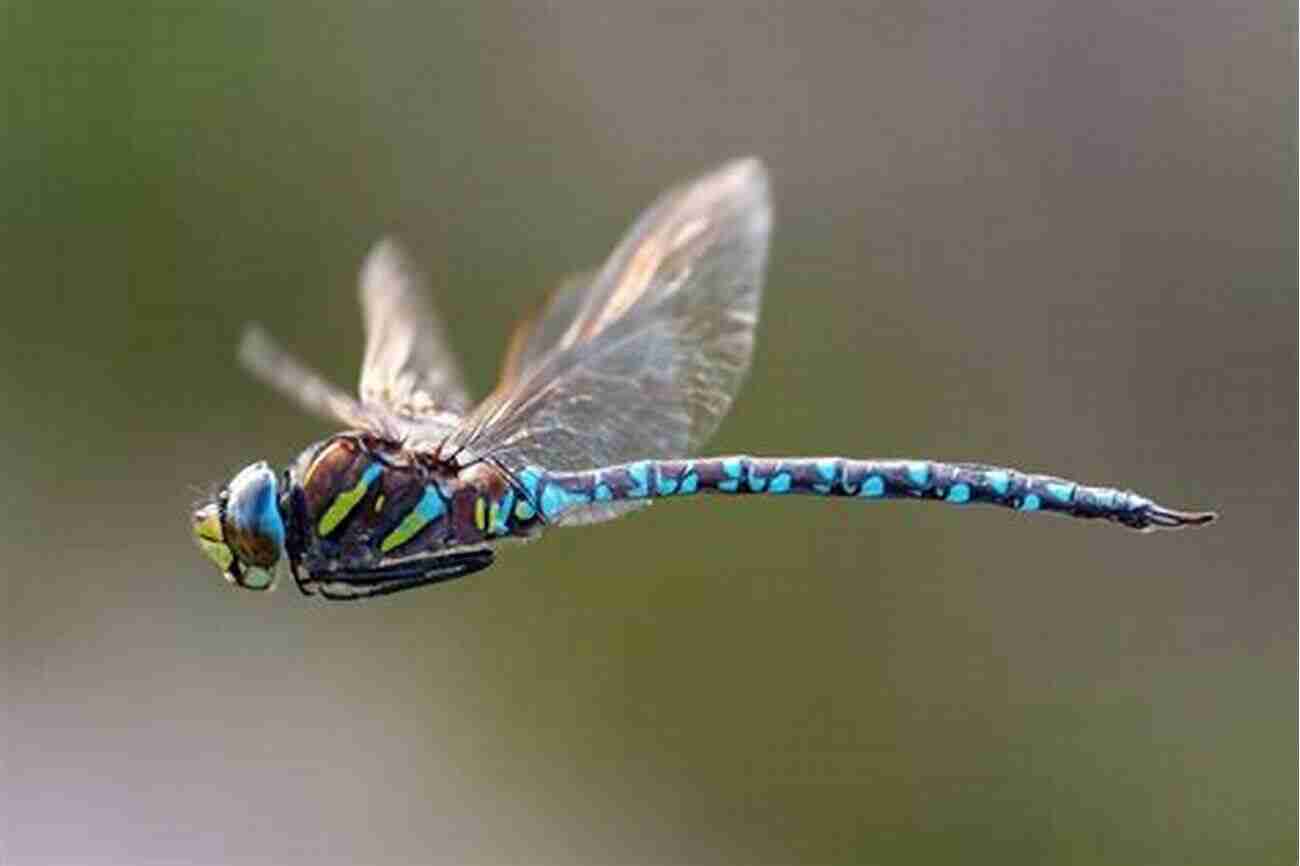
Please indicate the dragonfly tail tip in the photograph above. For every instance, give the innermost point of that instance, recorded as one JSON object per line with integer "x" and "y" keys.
{"x": 1168, "y": 518}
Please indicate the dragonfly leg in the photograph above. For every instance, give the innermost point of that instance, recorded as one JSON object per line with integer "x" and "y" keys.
{"x": 367, "y": 583}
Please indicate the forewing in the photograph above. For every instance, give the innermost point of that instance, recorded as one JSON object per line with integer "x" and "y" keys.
{"x": 538, "y": 335}
{"x": 409, "y": 367}
{"x": 652, "y": 354}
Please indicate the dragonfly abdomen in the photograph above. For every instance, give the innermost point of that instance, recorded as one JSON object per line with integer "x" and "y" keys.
{"x": 953, "y": 483}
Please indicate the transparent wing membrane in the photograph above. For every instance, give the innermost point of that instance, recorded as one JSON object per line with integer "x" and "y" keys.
{"x": 646, "y": 361}
{"x": 535, "y": 337}
{"x": 409, "y": 367}
{"x": 277, "y": 368}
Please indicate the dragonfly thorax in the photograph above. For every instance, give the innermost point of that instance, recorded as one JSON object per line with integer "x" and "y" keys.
{"x": 361, "y": 510}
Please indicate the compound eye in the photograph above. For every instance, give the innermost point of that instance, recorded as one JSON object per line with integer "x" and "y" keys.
{"x": 251, "y": 521}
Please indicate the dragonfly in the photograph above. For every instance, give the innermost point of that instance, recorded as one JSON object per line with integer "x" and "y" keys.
{"x": 604, "y": 399}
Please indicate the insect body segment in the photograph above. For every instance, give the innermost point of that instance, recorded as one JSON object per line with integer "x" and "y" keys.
{"x": 954, "y": 483}
{"x": 418, "y": 504}
{"x": 365, "y": 516}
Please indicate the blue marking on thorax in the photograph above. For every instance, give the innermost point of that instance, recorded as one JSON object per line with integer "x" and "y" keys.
{"x": 918, "y": 473}
{"x": 780, "y": 483}
{"x": 556, "y": 500}
{"x": 431, "y": 505}
{"x": 1061, "y": 492}
{"x": 958, "y": 493}
{"x": 1031, "y": 502}
{"x": 640, "y": 475}
{"x": 501, "y": 515}
{"x": 1000, "y": 481}
{"x": 873, "y": 486}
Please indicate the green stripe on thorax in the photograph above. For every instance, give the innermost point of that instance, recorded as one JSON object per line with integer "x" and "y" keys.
{"x": 430, "y": 507}
{"x": 343, "y": 504}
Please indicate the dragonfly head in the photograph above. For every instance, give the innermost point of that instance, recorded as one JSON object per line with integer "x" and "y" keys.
{"x": 242, "y": 532}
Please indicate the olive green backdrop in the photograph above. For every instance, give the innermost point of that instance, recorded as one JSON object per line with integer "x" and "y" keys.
{"x": 1057, "y": 235}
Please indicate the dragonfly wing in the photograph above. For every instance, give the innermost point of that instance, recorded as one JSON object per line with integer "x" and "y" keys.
{"x": 537, "y": 335}
{"x": 409, "y": 367}
{"x": 650, "y": 356}
{"x": 598, "y": 512}
{"x": 273, "y": 365}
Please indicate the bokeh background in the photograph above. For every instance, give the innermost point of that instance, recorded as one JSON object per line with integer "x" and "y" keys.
{"x": 1057, "y": 235}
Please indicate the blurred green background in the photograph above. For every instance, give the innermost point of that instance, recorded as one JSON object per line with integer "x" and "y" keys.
{"x": 1057, "y": 235}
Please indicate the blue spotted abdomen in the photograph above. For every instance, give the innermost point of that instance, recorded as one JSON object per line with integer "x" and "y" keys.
{"x": 954, "y": 483}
